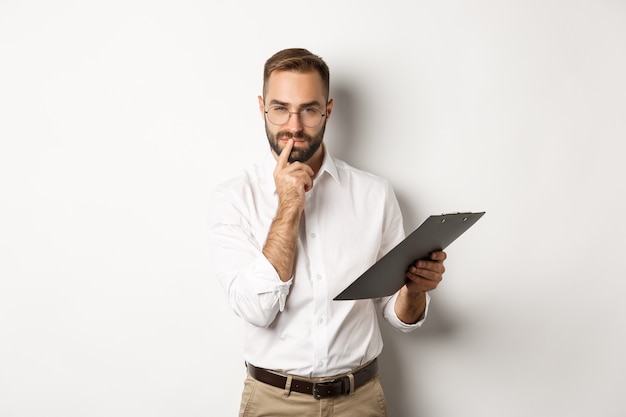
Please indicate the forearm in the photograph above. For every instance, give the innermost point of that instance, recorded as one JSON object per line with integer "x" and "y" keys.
{"x": 282, "y": 239}
{"x": 410, "y": 307}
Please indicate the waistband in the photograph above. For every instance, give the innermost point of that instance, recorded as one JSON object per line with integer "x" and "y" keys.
{"x": 340, "y": 385}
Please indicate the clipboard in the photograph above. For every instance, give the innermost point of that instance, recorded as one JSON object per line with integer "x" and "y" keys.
{"x": 388, "y": 275}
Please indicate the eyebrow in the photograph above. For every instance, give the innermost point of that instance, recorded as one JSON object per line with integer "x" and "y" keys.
{"x": 308, "y": 104}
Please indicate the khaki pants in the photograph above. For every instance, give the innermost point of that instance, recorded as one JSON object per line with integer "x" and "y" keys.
{"x": 263, "y": 400}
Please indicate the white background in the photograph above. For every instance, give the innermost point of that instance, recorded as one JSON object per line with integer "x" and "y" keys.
{"x": 117, "y": 118}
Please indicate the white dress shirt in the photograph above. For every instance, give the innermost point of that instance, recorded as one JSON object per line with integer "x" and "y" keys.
{"x": 351, "y": 219}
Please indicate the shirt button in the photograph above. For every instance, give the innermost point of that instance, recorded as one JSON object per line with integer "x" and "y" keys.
{"x": 320, "y": 320}
{"x": 318, "y": 277}
{"x": 320, "y": 364}
{"x": 313, "y": 235}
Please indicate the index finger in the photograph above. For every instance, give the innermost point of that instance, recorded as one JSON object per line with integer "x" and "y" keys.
{"x": 283, "y": 158}
{"x": 438, "y": 256}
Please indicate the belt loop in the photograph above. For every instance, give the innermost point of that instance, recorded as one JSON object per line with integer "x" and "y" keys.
{"x": 351, "y": 378}
{"x": 287, "y": 386}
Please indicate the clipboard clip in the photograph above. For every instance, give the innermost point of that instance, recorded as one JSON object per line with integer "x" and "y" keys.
{"x": 458, "y": 213}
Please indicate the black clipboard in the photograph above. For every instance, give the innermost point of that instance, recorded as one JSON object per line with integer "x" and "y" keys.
{"x": 388, "y": 275}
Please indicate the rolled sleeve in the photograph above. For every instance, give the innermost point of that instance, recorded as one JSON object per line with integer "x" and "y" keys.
{"x": 252, "y": 285}
{"x": 390, "y": 315}
{"x": 266, "y": 284}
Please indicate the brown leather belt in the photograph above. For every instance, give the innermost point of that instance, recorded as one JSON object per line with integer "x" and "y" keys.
{"x": 330, "y": 388}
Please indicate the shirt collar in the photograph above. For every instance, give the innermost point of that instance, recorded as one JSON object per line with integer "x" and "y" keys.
{"x": 329, "y": 166}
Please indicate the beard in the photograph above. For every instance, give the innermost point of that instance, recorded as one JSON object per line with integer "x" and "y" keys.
{"x": 297, "y": 155}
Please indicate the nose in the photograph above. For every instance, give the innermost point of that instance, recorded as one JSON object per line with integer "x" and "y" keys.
{"x": 294, "y": 124}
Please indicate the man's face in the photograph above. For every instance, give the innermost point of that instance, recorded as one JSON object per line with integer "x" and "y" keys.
{"x": 295, "y": 92}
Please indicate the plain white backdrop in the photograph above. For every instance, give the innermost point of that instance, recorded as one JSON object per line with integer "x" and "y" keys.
{"x": 117, "y": 118}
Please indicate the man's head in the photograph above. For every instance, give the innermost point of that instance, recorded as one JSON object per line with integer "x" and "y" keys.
{"x": 295, "y": 102}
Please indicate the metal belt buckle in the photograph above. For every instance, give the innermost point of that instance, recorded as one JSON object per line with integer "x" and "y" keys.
{"x": 325, "y": 392}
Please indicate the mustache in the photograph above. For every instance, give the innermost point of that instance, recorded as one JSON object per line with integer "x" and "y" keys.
{"x": 290, "y": 135}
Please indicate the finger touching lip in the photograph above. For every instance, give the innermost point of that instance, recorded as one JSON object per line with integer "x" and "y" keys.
{"x": 295, "y": 141}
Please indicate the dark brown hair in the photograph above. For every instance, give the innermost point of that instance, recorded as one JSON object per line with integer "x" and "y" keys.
{"x": 296, "y": 60}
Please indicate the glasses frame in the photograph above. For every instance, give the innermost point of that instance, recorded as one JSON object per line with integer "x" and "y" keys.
{"x": 298, "y": 113}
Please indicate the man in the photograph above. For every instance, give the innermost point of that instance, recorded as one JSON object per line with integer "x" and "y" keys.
{"x": 288, "y": 236}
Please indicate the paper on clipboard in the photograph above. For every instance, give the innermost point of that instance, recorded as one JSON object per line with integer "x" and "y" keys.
{"x": 388, "y": 275}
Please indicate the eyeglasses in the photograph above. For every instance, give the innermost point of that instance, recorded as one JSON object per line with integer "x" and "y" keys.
{"x": 309, "y": 116}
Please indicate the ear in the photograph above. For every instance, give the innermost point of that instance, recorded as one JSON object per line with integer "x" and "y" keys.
{"x": 261, "y": 107}
{"x": 329, "y": 108}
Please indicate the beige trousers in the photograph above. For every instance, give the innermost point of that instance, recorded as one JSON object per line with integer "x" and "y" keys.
{"x": 263, "y": 400}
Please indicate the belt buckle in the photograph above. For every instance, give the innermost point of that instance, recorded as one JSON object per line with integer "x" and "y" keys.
{"x": 319, "y": 395}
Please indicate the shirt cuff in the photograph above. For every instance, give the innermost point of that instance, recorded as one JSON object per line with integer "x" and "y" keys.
{"x": 267, "y": 284}
{"x": 393, "y": 319}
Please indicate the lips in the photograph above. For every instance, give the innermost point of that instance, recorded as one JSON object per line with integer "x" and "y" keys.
{"x": 284, "y": 139}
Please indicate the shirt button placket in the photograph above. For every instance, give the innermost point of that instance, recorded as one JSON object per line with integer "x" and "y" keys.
{"x": 320, "y": 302}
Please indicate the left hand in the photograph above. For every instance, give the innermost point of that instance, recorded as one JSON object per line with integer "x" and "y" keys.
{"x": 425, "y": 275}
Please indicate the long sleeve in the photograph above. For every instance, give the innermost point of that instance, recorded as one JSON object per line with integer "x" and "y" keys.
{"x": 393, "y": 233}
{"x": 253, "y": 288}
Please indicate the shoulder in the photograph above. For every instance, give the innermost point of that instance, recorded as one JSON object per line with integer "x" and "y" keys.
{"x": 240, "y": 191}
{"x": 357, "y": 176}
{"x": 250, "y": 178}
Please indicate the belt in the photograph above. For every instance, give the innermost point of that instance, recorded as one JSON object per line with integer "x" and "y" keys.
{"x": 337, "y": 386}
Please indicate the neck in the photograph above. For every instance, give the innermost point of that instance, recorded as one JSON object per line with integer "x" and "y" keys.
{"x": 316, "y": 160}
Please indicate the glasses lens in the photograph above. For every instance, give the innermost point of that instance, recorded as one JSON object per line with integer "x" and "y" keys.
{"x": 310, "y": 117}
{"x": 278, "y": 115}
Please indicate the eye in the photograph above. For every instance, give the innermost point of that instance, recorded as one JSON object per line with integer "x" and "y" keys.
{"x": 279, "y": 109}
{"x": 310, "y": 110}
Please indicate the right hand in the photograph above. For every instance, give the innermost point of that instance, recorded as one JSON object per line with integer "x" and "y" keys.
{"x": 292, "y": 180}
